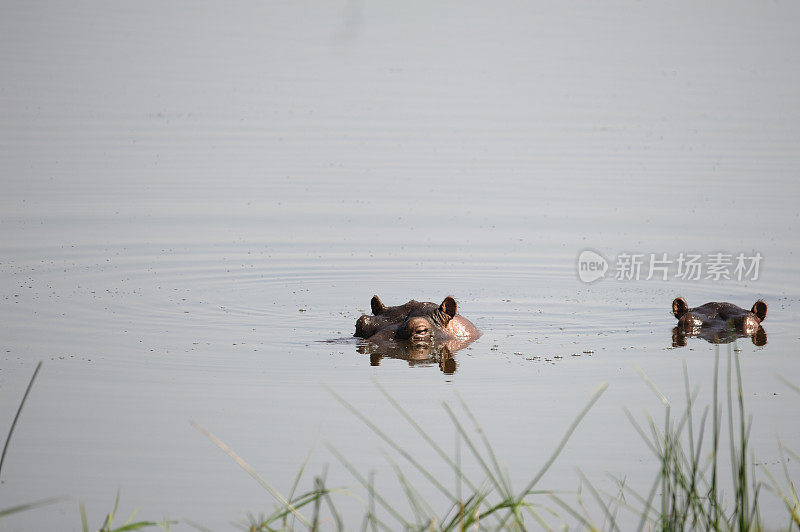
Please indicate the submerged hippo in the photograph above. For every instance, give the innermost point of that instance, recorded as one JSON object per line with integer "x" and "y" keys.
{"x": 718, "y": 322}
{"x": 426, "y": 323}
{"x": 383, "y": 316}
{"x": 416, "y": 331}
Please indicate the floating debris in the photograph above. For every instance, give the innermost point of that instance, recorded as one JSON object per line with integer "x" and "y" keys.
{"x": 588, "y": 351}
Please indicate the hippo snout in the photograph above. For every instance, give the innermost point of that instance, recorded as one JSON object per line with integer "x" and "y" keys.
{"x": 749, "y": 325}
{"x": 364, "y": 326}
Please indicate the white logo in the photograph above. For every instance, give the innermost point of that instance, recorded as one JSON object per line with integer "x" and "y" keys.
{"x": 591, "y": 266}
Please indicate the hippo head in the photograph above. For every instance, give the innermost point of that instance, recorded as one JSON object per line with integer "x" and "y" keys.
{"x": 419, "y": 332}
{"x": 383, "y": 316}
{"x": 720, "y": 322}
{"x": 424, "y": 325}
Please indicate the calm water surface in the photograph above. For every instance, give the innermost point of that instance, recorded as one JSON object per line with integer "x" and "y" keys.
{"x": 196, "y": 197}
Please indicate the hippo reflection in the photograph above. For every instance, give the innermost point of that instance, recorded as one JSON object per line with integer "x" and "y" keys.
{"x": 414, "y": 355}
{"x": 415, "y": 331}
{"x": 718, "y": 323}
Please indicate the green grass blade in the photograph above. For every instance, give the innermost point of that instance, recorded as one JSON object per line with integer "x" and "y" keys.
{"x": 405, "y": 454}
{"x": 474, "y": 450}
{"x": 31, "y": 505}
{"x": 419, "y": 505}
{"x": 789, "y": 383}
{"x": 498, "y": 471}
{"x": 648, "y": 505}
{"x": 244, "y": 465}
{"x": 135, "y": 526}
{"x": 640, "y": 430}
{"x": 606, "y": 510}
{"x": 539, "y": 519}
{"x": 297, "y": 503}
{"x": 430, "y": 441}
{"x": 574, "y": 425}
{"x": 454, "y": 465}
{"x": 714, "y": 508}
{"x": 299, "y": 476}
{"x": 652, "y": 386}
{"x": 84, "y": 520}
{"x": 374, "y": 495}
{"x": 572, "y": 512}
{"x": 16, "y": 416}
{"x": 562, "y": 443}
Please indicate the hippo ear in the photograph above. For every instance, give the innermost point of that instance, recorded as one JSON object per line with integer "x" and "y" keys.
{"x": 760, "y": 310}
{"x": 678, "y": 338}
{"x": 760, "y": 337}
{"x": 449, "y": 306}
{"x": 679, "y": 307}
{"x": 377, "y": 306}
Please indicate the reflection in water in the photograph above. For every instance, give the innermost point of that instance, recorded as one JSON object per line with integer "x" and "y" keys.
{"x": 415, "y": 353}
{"x": 717, "y": 335}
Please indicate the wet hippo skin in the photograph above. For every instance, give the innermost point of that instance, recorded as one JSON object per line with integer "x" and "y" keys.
{"x": 428, "y": 323}
{"x": 718, "y": 322}
{"x": 383, "y": 316}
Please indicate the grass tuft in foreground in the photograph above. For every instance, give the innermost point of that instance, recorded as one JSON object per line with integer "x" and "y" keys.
{"x": 490, "y": 503}
{"x": 691, "y": 490}
{"x": 129, "y": 524}
{"x": 688, "y": 493}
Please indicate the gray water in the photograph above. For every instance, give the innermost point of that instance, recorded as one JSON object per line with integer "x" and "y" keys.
{"x": 197, "y": 196}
